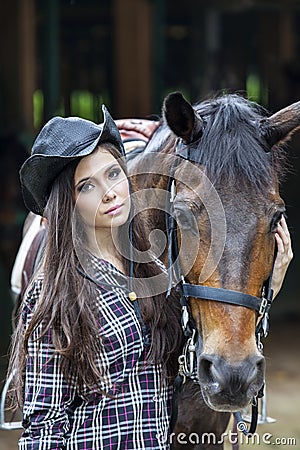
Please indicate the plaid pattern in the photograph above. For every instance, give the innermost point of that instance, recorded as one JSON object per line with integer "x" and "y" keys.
{"x": 56, "y": 417}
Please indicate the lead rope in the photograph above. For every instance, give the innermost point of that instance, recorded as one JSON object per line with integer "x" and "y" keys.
{"x": 187, "y": 322}
{"x": 172, "y": 242}
{"x": 186, "y": 369}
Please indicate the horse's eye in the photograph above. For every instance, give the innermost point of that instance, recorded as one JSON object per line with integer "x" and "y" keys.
{"x": 182, "y": 217}
{"x": 185, "y": 218}
{"x": 276, "y": 219}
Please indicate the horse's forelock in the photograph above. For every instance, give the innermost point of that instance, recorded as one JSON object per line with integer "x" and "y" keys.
{"x": 232, "y": 147}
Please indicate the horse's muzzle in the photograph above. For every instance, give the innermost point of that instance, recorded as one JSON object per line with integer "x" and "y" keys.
{"x": 230, "y": 386}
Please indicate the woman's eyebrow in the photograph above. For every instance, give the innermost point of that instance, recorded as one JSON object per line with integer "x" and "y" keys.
{"x": 111, "y": 166}
{"x": 82, "y": 180}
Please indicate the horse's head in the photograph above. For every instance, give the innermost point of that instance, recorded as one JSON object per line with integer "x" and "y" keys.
{"x": 228, "y": 196}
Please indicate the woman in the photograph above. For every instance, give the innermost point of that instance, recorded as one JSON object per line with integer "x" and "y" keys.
{"x": 97, "y": 362}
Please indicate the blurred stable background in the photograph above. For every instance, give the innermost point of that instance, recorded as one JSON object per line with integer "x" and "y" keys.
{"x": 67, "y": 57}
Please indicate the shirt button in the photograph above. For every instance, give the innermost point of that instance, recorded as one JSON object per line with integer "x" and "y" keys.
{"x": 157, "y": 398}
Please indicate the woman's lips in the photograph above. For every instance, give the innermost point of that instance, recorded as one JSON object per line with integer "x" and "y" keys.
{"x": 114, "y": 210}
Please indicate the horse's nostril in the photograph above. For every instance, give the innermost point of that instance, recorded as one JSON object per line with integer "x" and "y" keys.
{"x": 253, "y": 368}
{"x": 205, "y": 367}
{"x": 255, "y": 376}
{"x": 260, "y": 364}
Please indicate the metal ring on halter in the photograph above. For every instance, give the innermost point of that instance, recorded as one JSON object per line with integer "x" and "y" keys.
{"x": 189, "y": 355}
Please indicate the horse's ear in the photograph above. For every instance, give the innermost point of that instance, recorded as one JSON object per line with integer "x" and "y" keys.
{"x": 181, "y": 117}
{"x": 280, "y": 126}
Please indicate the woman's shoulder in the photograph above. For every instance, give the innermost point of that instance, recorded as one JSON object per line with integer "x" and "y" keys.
{"x": 35, "y": 286}
{"x": 32, "y": 294}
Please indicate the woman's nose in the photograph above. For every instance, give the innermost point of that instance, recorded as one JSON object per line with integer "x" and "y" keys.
{"x": 109, "y": 195}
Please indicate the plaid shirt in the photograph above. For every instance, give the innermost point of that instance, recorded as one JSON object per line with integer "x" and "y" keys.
{"x": 55, "y": 416}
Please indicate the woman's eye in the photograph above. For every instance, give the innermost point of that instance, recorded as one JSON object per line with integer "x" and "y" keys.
{"x": 86, "y": 187}
{"x": 114, "y": 173}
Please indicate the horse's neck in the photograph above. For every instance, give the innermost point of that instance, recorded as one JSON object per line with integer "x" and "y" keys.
{"x": 152, "y": 167}
{"x": 149, "y": 182}
{"x": 149, "y": 173}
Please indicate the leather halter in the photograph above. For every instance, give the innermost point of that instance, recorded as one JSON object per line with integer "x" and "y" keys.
{"x": 261, "y": 305}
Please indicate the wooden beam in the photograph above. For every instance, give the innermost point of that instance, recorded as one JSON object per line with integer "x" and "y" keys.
{"x": 27, "y": 67}
{"x": 10, "y": 121}
{"x": 132, "y": 63}
{"x": 51, "y": 78}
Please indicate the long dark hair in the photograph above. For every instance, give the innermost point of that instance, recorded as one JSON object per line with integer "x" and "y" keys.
{"x": 67, "y": 306}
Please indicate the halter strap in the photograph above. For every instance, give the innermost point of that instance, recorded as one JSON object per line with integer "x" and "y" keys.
{"x": 225, "y": 296}
{"x": 259, "y": 304}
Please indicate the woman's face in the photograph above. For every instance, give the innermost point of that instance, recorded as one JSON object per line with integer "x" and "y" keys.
{"x": 101, "y": 190}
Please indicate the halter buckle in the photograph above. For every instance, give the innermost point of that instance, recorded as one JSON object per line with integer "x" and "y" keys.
{"x": 181, "y": 372}
{"x": 263, "y": 305}
{"x": 265, "y": 325}
{"x": 184, "y": 318}
{"x": 172, "y": 191}
{"x": 187, "y": 359}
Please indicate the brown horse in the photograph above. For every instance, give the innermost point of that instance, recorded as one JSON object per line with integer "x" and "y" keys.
{"x": 226, "y": 159}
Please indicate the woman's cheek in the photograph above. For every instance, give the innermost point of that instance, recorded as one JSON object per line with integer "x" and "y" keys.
{"x": 87, "y": 209}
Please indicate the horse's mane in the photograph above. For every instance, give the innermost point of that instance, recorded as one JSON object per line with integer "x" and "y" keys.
{"x": 232, "y": 145}
{"x": 231, "y": 148}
